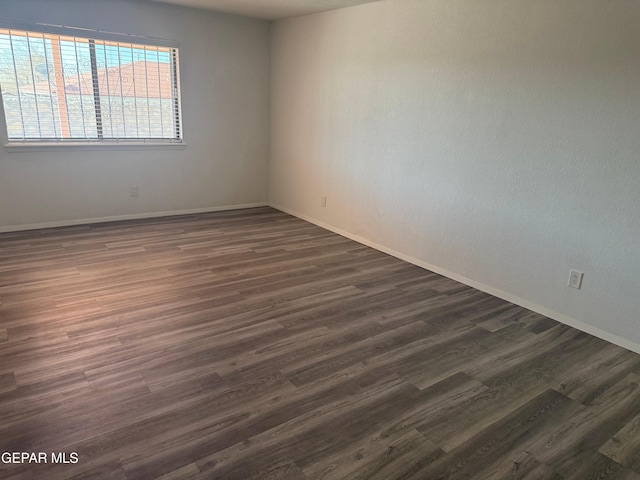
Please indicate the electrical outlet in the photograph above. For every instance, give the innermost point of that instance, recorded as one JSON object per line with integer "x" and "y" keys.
{"x": 323, "y": 201}
{"x": 575, "y": 279}
{"x": 133, "y": 191}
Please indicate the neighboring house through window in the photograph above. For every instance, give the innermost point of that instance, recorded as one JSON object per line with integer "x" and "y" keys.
{"x": 58, "y": 87}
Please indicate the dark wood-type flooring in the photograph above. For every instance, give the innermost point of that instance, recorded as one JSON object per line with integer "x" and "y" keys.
{"x": 253, "y": 345}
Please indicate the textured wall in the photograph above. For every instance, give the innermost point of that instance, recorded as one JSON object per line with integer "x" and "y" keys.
{"x": 496, "y": 140}
{"x": 225, "y": 104}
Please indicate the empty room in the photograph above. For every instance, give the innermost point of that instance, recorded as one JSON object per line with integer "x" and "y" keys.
{"x": 319, "y": 239}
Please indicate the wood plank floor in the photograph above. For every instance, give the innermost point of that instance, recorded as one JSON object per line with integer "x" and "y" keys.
{"x": 253, "y": 345}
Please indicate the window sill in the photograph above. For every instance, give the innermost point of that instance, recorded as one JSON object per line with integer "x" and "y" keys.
{"x": 62, "y": 146}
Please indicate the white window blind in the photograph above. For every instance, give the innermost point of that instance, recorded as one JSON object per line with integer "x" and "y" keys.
{"x": 67, "y": 88}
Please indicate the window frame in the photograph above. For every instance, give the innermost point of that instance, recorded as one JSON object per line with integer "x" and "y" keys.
{"x": 24, "y": 145}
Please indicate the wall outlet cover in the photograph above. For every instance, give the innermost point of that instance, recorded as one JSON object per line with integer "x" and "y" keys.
{"x": 575, "y": 279}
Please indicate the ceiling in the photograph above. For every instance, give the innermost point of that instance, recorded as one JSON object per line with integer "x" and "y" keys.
{"x": 268, "y": 9}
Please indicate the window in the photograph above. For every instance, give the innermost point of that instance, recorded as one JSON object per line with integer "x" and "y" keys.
{"x": 62, "y": 88}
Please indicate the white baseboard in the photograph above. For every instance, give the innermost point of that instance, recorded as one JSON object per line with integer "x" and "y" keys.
{"x": 133, "y": 216}
{"x": 572, "y": 322}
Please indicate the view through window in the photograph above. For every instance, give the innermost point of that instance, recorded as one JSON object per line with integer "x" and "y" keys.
{"x": 68, "y": 88}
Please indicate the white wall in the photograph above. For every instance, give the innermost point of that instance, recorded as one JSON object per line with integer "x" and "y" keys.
{"x": 496, "y": 141}
{"x": 225, "y": 103}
